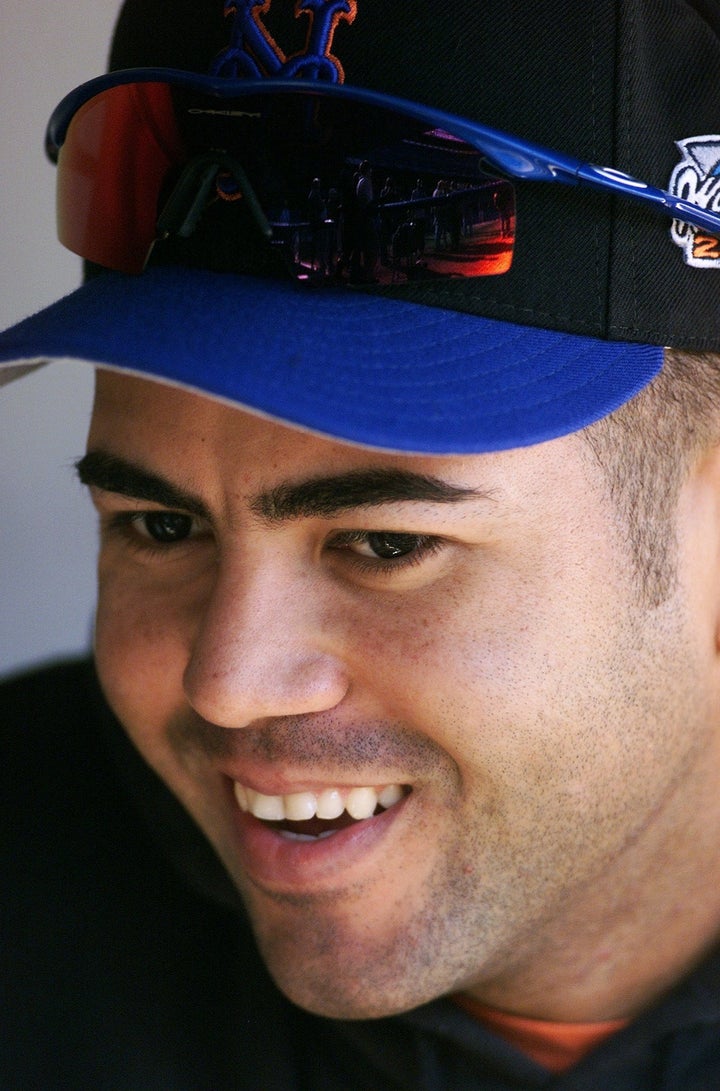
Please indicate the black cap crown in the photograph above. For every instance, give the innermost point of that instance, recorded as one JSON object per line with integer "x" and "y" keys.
{"x": 616, "y": 82}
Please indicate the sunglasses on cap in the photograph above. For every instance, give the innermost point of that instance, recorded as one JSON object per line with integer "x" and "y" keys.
{"x": 336, "y": 184}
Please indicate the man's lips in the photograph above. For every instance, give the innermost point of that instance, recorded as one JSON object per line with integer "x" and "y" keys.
{"x": 282, "y": 852}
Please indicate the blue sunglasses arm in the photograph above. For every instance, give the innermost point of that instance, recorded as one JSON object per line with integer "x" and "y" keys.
{"x": 523, "y": 159}
{"x": 607, "y": 178}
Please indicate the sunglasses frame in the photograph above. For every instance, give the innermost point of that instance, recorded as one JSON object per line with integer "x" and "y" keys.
{"x": 518, "y": 158}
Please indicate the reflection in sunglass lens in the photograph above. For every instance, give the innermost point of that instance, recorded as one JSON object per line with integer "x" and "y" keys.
{"x": 335, "y": 191}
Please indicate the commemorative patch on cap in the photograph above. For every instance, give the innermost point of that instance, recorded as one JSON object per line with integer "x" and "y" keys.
{"x": 696, "y": 178}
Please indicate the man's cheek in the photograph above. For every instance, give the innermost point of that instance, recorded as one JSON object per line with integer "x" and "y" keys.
{"x": 140, "y": 651}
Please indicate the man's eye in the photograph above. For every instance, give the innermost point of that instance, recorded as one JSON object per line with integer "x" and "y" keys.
{"x": 387, "y": 546}
{"x": 155, "y": 532}
{"x": 167, "y": 527}
{"x": 163, "y": 527}
{"x": 393, "y": 547}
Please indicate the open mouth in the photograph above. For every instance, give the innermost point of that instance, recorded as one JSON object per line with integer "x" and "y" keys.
{"x": 308, "y": 816}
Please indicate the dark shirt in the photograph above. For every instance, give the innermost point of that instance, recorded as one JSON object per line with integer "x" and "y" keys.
{"x": 127, "y": 963}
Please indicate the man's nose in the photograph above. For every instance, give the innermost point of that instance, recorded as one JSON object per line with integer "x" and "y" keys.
{"x": 263, "y": 648}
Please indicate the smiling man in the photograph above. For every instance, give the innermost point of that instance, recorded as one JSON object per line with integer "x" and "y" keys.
{"x": 398, "y": 762}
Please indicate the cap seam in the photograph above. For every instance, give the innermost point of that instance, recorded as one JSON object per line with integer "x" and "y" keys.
{"x": 632, "y": 37}
{"x": 601, "y": 310}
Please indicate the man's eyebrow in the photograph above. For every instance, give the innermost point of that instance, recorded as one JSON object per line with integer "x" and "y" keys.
{"x": 319, "y": 497}
{"x": 118, "y": 475}
{"x": 328, "y": 496}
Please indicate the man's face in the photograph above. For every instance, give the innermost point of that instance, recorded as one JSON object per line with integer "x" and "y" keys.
{"x": 301, "y": 627}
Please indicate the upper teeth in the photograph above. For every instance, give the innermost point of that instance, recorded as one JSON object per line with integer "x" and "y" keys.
{"x": 329, "y": 803}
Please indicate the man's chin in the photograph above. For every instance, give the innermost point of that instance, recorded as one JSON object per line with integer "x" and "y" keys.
{"x": 339, "y": 978}
{"x": 342, "y": 999}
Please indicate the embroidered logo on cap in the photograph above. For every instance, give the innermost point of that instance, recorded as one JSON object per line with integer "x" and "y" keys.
{"x": 696, "y": 178}
{"x": 254, "y": 53}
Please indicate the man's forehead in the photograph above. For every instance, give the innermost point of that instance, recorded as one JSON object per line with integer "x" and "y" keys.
{"x": 148, "y": 420}
{"x": 120, "y": 395}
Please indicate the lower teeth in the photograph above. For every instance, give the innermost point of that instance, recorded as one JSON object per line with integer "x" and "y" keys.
{"x": 290, "y": 836}
{"x": 312, "y": 828}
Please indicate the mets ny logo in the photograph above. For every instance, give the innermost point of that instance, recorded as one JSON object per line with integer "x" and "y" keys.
{"x": 255, "y": 53}
{"x": 696, "y": 178}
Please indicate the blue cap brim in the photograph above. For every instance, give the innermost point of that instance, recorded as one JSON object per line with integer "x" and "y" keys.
{"x": 362, "y": 368}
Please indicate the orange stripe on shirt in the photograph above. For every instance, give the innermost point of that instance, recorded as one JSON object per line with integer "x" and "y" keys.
{"x": 555, "y": 1046}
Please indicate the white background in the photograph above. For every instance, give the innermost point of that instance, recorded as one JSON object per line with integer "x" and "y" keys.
{"x": 47, "y": 529}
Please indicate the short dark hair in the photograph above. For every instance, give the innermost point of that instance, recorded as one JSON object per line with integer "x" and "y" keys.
{"x": 646, "y": 449}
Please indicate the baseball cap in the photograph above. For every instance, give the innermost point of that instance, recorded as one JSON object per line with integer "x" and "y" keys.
{"x": 597, "y": 285}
